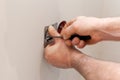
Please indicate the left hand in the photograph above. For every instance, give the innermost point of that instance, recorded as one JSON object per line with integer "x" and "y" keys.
{"x": 58, "y": 53}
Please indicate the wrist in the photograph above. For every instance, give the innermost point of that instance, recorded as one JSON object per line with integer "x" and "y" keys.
{"x": 109, "y": 29}
{"x": 84, "y": 64}
{"x": 101, "y": 27}
{"x": 76, "y": 57}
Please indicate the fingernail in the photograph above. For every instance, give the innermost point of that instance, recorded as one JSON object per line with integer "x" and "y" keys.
{"x": 51, "y": 28}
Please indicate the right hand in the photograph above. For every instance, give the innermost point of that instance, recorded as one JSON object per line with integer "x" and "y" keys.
{"x": 83, "y": 26}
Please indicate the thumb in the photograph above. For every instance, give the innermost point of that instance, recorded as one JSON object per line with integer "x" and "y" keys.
{"x": 68, "y": 31}
{"x": 53, "y": 32}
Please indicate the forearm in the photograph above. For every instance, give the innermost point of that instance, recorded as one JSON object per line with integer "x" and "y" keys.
{"x": 110, "y": 28}
{"x": 93, "y": 69}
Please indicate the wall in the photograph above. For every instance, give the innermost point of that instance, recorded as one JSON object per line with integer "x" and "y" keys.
{"x": 71, "y": 9}
{"x": 21, "y": 36}
{"x": 21, "y": 39}
{"x": 22, "y": 25}
{"x": 111, "y": 8}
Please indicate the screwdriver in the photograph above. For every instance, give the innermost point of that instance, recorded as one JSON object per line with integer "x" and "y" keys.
{"x": 60, "y": 27}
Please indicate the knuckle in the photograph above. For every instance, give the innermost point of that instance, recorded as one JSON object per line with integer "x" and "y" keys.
{"x": 81, "y": 44}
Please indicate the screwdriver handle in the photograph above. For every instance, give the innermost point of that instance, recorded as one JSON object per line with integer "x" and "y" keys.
{"x": 80, "y": 37}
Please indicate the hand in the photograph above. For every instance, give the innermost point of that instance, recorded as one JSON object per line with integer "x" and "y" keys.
{"x": 83, "y": 26}
{"x": 58, "y": 53}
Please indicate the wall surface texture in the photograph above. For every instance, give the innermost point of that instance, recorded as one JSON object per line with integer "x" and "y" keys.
{"x": 21, "y": 39}
{"x": 22, "y": 35}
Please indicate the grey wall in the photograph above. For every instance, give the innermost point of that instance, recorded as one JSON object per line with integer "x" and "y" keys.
{"x": 111, "y": 8}
{"x": 21, "y": 39}
{"x": 21, "y": 36}
{"x": 72, "y": 8}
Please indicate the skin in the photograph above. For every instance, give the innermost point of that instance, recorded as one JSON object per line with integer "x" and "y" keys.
{"x": 62, "y": 53}
{"x": 100, "y": 29}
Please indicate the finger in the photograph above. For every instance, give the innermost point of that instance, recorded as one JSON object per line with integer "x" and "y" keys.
{"x": 53, "y": 32}
{"x": 81, "y": 44}
{"x": 69, "y": 23}
{"x": 68, "y": 42}
{"x": 75, "y": 41}
{"x": 68, "y": 32}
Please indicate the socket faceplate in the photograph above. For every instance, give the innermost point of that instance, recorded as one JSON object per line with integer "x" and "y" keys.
{"x": 47, "y": 38}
